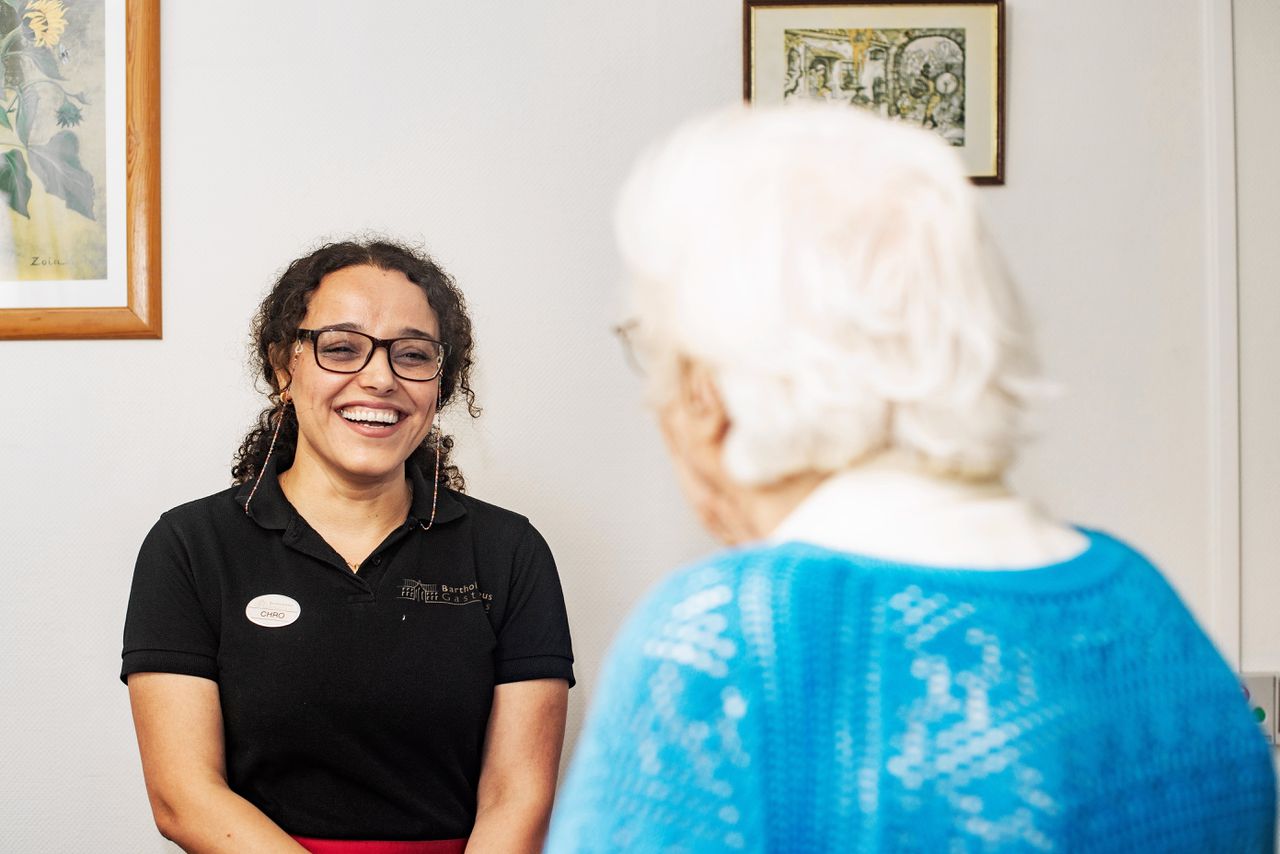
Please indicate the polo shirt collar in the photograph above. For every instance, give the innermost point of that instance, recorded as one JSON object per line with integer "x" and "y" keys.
{"x": 448, "y": 507}
{"x": 272, "y": 510}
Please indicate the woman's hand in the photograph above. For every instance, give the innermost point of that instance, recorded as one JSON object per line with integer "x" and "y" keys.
{"x": 179, "y": 724}
{"x": 519, "y": 767}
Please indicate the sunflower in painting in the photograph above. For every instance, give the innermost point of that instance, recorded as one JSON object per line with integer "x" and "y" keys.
{"x": 47, "y": 19}
{"x": 40, "y": 107}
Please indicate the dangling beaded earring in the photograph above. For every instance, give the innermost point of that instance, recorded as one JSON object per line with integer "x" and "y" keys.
{"x": 285, "y": 400}
{"x": 435, "y": 481}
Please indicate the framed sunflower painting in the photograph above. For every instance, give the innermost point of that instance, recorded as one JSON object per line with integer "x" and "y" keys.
{"x": 932, "y": 63}
{"x": 79, "y": 169}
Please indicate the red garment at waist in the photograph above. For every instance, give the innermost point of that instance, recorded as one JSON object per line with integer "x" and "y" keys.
{"x": 358, "y": 846}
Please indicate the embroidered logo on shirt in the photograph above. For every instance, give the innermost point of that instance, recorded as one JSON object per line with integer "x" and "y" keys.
{"x": 272, "y": 610}
{"x": 444, "y": 594}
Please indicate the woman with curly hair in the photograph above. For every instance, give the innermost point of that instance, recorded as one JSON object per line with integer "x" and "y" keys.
{"x": 344, "y": 652}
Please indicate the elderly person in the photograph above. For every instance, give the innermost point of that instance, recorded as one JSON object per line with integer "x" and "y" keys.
{"x": 343, "y": 653}
{"x": 898, "y": 653}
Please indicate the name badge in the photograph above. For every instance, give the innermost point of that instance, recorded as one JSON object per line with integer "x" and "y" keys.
{"x": 274, "y": 610}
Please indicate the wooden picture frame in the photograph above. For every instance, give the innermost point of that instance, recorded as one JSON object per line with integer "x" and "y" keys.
{"x": 139, "y": 316}
{"x": 939, "y": 65}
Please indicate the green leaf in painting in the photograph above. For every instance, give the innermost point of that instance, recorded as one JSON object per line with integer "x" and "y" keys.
{"x": 15, "y": 181}
{"x": 4, "y": 118}
{"x": 57, "y": 165}
{"x": 43, "y": 59}
{"x": 28, "y": 103}
{"x": 13, "y": 3}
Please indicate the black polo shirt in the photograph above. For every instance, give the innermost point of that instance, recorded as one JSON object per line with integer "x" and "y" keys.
{"x": 354, "y": 705}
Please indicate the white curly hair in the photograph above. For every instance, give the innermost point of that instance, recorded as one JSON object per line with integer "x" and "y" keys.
{"x": 831, "y": 269}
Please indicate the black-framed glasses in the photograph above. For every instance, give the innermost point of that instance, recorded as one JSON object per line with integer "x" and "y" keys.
{"x": 345, "y": 351}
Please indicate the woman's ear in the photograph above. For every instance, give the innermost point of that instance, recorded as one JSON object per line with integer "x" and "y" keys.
{"x": 696, "y": 425}
{"x": 705, "y": 414}
{"x": 283, "y": 360}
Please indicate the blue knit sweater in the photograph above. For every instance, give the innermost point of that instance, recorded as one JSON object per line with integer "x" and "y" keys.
{"x": 791, "y": 698}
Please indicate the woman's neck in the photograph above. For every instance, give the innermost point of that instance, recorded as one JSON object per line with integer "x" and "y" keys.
{"x": 341, "y": 508}
{"x": 892, "y": 508}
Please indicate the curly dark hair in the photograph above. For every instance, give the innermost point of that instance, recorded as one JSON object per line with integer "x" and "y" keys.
{"x": 275, "y": 327}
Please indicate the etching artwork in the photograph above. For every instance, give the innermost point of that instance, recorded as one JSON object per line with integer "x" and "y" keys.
{"x": 909, "y": 75}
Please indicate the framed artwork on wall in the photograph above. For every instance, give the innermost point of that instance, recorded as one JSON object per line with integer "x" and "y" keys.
{"x": 80, "y": 169}
{"x": 937, "y": 65}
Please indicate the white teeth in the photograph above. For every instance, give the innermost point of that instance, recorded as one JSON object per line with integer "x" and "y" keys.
{"x": 363, "y": 413}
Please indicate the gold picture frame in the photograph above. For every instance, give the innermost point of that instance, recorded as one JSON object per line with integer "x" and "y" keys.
{"x": 140, "y": 316}
{"x": 939, "y": 65}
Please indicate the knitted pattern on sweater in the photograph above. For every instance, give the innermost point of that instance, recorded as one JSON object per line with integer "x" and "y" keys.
{"x": 791, "y": 698}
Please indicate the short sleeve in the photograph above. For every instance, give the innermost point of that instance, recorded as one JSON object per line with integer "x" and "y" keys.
{"x": 533, "y": 636}
{"x": 166, "y": 629}
{"x": 667, "y": 760}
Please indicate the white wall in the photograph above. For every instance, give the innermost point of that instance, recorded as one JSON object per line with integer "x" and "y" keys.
{"x": 1103, "y": 222}
{"x": 499, "y": 132}
{"x": 1257, "y": 25}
